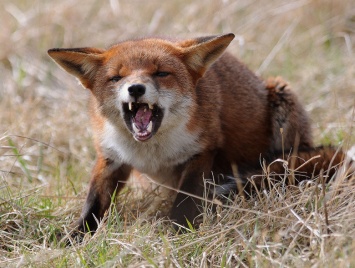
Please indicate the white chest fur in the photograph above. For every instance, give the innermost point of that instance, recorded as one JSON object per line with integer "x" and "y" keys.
{"x": 160, "y": 154}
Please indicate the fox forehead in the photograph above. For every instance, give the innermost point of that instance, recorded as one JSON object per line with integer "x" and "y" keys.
{"x": 149, "y": 54}
{"x": 150, "y": 44}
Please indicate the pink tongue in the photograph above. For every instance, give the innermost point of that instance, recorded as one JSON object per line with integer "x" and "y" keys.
{"x": 142, "y": 118}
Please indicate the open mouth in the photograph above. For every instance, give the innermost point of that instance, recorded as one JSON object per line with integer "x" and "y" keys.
{"x": 142, "y": 119}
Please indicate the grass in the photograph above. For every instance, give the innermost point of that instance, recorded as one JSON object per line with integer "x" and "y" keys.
{"x": 46, "y": 150}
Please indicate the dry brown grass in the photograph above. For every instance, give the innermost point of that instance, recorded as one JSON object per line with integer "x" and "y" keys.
{"x": 46, "y": 150}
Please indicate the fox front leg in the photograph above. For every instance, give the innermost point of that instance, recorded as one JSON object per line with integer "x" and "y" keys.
{"x": 188, "y": 203}
{"x": 108, "y": 178}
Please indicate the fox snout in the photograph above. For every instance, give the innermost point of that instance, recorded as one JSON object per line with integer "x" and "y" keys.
{"x": 141, "y": 112}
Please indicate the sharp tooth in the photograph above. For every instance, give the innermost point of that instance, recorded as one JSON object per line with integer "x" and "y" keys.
{"x": 135, "y": 129}
{"x": 150, "y": 126}
{"x": 151, "y": 106}
{"x": 145, "y": 109}
{"x": 130, "y": 106}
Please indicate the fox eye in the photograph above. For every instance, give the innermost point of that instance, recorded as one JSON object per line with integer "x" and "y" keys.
{"x": 115, "y": 78}
{"x": 161, "y": 74}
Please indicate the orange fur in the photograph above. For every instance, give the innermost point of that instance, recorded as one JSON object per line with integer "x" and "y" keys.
{"x": 177, "y": 111}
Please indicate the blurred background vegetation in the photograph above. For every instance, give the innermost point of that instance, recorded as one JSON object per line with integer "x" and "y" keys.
{"x": 46, "y": 152}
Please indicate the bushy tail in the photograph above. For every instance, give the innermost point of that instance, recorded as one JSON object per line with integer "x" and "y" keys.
{"x": 291, "y": 167}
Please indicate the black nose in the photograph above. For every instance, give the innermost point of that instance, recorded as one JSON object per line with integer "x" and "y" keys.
{"x": 136, "y": 90}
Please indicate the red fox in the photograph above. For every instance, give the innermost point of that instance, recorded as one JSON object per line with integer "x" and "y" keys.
{"x": 181, "y": 111}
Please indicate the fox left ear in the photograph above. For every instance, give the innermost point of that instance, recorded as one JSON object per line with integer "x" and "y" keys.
{"x": 201, "y": 52}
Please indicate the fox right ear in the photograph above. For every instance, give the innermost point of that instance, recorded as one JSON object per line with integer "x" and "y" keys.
{"x": 80, "y": 62}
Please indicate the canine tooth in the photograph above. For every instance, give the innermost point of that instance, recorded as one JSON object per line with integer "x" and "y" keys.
{"x": 135, "y": 129}
{"x": 130, "y": 106}
{"x": 150, "y": 106}
{"x": 145, "y": 109}
{"x": 150, "y": 126}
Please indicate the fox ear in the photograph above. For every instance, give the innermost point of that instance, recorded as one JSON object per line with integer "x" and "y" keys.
{"x": 80, "y": 62}
{"x": 201, "y": 52}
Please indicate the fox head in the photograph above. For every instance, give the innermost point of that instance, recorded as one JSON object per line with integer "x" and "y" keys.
{"x": 145, "y": 84}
